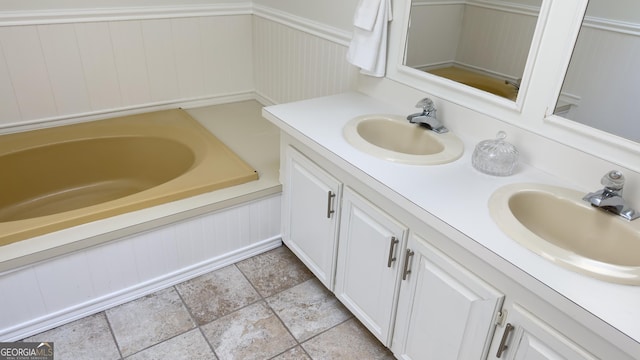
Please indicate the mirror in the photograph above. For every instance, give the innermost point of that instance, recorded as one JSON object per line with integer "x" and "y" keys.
{"x": 482, "y": 44}
{"x": 601, "y": 84}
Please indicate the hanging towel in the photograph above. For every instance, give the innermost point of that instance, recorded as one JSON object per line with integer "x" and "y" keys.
{"x": 368, "y": 47}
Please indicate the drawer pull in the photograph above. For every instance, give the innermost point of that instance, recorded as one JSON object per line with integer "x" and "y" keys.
{"x": 503, "y": 343}
{"x": 392, "y": 247}
{"x": 407, "y": 260}
{"x": 330, "y": 196}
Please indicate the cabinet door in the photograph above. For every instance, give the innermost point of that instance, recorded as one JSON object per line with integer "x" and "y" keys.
{"x": 527, "y": 337}
{"x": 444, "y": 310}
{"x": 311, "y": 199}
{"x": 368, "y": 263}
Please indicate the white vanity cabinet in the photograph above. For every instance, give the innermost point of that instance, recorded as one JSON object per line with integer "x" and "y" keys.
{"x": 444, "y": 310}
{"x": 412, "y": 283}
{"x": 310, "y": 209}
{"x": 369, "y": 262}
{"x": 524, "y": 336}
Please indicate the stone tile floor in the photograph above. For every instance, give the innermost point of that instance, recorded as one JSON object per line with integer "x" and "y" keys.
{"x": 266, "y": 307}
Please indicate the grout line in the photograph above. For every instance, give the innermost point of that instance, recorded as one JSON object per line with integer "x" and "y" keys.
{"x": 113, "y": 335}
{"x": 206, "y": 340}
{"x": 260, "y": 298}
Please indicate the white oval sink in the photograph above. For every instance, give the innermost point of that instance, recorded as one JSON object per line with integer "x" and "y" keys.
{"x": 557, "y": 224}
{"x": 394, "y": 138}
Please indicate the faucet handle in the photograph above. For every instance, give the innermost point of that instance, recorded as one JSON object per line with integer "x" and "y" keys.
{"x": 426, "y": 104}
{"x": 613, "y": 180}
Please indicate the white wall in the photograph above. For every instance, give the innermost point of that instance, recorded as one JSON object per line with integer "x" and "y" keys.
{"x": 434, "y": 34}
{"x": 622, "y": 10}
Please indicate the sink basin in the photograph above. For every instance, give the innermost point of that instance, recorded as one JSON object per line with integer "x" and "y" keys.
{"x": 557, "y": 224}
{"x": 394, "y": 138}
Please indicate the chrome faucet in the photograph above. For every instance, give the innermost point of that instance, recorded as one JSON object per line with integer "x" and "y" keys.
{"x": 427, "y": 117}
{"x": 610, "y": 198}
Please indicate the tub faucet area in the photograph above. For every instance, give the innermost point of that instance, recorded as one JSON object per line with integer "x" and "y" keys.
{"x": 427, "y": 118}
{"x": 515, "y": 84}
{"x": 610, "y": 197}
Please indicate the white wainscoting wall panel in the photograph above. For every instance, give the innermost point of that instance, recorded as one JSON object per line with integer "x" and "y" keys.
{"x": 501, "y": 48}
{"x": 58, "y": 70}
{"x": 53, "y": 292}
{"x": 602, "y": 81}
{"x": 292, "y": 64}
{"x": 486, "y": 35}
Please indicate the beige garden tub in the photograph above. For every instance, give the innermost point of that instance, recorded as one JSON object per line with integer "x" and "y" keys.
{"x": 479, "y": 81}
{"x": 64, "y": 176}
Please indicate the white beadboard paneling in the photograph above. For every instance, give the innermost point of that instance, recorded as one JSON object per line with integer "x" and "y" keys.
{"x": 496, "y": 41}
{"x": 608, "y": 57}
{"x": 28, "y": 71}
{"x": 152, "y": 257}
{"x": 188, "y": 54}
{"x": 190, "y": 252}
{"x": 9, "y": 110}
{"x": 56, "y": 74}
{"x": 131, "y": 62}
{"x": 222, "y": 227}
{"x": 227, "y": 60}
{"x": 21, "y": 294}
{"x": 291, "y": 65}
{"x": 99, "y": 66}
{"x": 161, "y": 67}
{"x": 59, "y": 290}
{"x": 62, "y": 56}
{"x": 65, "y": 280}
{"x": 108, "y": 276}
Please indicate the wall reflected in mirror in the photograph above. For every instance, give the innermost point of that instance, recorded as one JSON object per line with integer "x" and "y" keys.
{"x": 602, "y": 85}
{"x": 479, "y": 43}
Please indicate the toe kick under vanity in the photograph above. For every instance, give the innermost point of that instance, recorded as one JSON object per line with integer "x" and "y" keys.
{"x": 413, "y": 253}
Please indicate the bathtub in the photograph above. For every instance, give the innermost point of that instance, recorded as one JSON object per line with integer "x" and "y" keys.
{"x": 60, "y": 276}
{"x": 64, "y": 176}
{"x": 494, "y": 85}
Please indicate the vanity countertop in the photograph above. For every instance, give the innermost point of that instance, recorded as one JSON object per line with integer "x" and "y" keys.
{"x": 458, "y": 195}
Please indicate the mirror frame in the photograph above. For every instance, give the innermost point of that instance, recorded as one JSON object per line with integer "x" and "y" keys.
{"x": 455, "y": 92}
{"x": 552, "y": 46}
{"x": 609, "y": 147}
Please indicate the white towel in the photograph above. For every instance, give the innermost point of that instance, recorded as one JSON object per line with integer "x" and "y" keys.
{"x": 368, "y": 47}
{"x": 366, "y": 14}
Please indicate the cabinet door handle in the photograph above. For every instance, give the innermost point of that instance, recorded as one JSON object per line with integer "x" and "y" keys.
{"x": 392, "y": 247}
{"x": 407, "y": 260}
{"x": 330, "y": 196}
{"x": 503, "y": 343}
